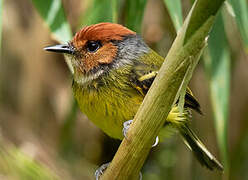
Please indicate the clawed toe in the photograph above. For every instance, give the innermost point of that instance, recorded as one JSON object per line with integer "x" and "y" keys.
{"x": 156, "y": 142}
{"x": 101, "y": 170}
{"x": 126, "y": 126}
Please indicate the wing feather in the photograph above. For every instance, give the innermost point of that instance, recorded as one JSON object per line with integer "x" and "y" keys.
{"x": 143, "y": 76}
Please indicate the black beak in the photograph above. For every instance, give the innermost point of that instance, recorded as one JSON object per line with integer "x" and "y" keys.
{"x": 61, "y": 48}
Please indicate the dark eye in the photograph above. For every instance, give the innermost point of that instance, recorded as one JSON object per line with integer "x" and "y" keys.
{"x": 93, "y": 46}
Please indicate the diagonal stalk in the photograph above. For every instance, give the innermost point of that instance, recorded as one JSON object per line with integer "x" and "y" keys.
{"x": 157, "y": 104}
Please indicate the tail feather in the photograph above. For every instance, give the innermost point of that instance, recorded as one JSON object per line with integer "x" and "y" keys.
{"x": 199, "y": 150}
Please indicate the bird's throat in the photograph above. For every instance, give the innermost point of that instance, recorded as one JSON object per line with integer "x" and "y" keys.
{"x": 84, "y": 78}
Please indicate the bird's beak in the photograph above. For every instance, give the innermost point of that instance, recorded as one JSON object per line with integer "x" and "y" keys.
{"x": 61, "y": 48}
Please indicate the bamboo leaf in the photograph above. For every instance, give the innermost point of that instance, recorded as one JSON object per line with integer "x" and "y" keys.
{"x": 134, "y": 14}
{"x": 175, "y": 11}
{"x": 209, "y": 11}
{"x": 218, "y": 69}
{"x": 101, "y": 11}
{"x": 52, "y": 12}
{"x": 240, "y": 8}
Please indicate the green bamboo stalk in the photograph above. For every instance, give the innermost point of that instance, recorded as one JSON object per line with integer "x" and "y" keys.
{"x": 186, "y": 49}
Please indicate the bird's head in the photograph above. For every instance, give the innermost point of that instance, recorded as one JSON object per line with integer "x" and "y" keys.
{"x": 97, "y": 49}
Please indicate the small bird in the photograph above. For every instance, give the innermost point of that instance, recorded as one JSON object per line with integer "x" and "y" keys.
{"x": 113, "y": 68}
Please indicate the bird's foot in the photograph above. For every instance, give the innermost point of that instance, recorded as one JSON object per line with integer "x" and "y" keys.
{"x": 103, "y": 168}
{"x": 126, "y": 126}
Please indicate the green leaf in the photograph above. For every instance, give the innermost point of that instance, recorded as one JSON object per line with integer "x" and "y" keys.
{"x": 101, "y": 11}
{"x": 175, "y": 11}
{"x": 52, "y": 12}
{"x": 134, "y": 13}
{"x": 217, "y": 64}
{"x": 240, "y": 8}
{"x": 210, "y": 10}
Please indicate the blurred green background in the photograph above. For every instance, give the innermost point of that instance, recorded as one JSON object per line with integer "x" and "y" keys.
{"x": 43, "y": 135}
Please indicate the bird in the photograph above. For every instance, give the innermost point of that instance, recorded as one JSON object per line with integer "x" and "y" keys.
{"x": 113, "y": 69}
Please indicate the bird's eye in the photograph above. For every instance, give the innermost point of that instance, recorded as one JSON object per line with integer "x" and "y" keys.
{"x": 93, "y": 46}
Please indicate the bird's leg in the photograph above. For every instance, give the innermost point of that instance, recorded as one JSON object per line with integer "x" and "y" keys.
{"x": 103, "y": 168}
{"x": 126, "y": 126}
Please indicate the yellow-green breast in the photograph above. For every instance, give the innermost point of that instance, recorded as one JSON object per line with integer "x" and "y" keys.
{"x": 108, "y": 103}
